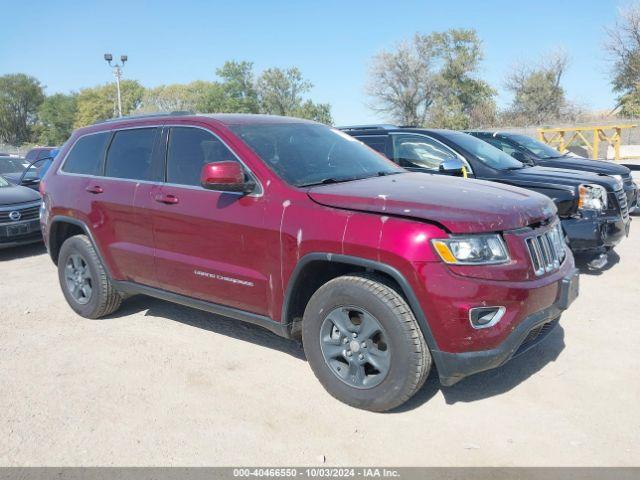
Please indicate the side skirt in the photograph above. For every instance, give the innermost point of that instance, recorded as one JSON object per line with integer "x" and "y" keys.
{"x": 133, "y": 288}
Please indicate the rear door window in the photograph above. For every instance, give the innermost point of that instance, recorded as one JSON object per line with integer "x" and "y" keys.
{"x": 130, "y": 154}
{"x": 189, "y": 149}
{"x": 378, "y": 143}
{"x": 86, "y": 154}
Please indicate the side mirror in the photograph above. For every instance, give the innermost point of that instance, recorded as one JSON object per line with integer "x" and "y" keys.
{"x": 225, "y": 177}
{"x": 452, "y": 166}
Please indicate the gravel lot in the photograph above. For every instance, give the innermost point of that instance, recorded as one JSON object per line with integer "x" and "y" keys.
{"x": 160, "y": 384}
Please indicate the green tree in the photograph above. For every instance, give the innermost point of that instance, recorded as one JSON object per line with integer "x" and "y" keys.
{"x": 57, "y": 116}
{"x": 281, "y": 92}
{"x": 623, "y": 47}
{"x": 20, "y": 97}
{"x": 432, "y": 79}
{"x": 101, "y": 103}
{"x": 538, "y": 96}
{"x": 458, "y": 91}
{"x": 239, "y": 88}
{"x": 318, "y": 112}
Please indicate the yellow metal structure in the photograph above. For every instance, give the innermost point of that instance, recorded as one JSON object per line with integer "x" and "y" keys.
{"x": 562, "y": 138}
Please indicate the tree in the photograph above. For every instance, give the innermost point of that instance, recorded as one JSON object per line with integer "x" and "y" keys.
{"x": 20, "y": 98}
{"x": 281, "y": 92}
{"x": 57, "y": 116}
{"x": 101, "y": 103}
{"x": 432, "y": 79}
{"x": 168, "y": 98}
{"x": 318, "y": 112}
{"x": 401, "y": 83}
{"x": 458, "y": 93}
{"x": 623, "y": 47}
{"x": 538, "y": 96}
{"x": 239, "y": 87}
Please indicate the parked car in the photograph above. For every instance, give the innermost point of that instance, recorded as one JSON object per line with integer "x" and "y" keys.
{"x": 31, "y": 175}
{"x": 593, "y": 208}
{"x": 534, "y": 152}
{"x": 19, "y": 215}
{"x": 299, "y": 228}
{"x": 38, "y": 153}
{"x": 10, "y": 166}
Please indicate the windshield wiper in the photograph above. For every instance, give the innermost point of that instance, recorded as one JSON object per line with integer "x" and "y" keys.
{"x": 326, "y": 181}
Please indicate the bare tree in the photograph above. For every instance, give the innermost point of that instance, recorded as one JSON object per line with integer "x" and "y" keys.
{"x": 623, "y": 48}
{"x": 401, "y": 83}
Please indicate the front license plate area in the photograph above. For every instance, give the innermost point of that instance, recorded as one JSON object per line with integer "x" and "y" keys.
{"x": 569, "y": 289}
{"x": 16, "y": 230}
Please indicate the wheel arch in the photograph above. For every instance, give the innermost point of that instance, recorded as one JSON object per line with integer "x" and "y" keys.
{"x": 315, "y": 269}
{"x": 63, "y": 227}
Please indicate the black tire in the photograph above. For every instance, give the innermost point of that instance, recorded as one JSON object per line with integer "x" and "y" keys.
{"x": 410, "y": 360}
{"x": 104, "y": 298}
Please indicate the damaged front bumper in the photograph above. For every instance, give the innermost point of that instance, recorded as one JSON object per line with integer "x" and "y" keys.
{"x": 453, "y": 367}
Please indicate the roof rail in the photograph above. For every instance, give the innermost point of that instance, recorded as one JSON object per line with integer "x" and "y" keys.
{"x": 382, "y": 126}
{"x": 146, "y": 115}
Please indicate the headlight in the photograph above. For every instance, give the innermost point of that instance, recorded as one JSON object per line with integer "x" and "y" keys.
{"x": 592, "y": 197}
{"x": 472, "y": 250}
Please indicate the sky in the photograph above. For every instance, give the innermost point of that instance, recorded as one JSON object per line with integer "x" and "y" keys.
{"x": 332, "y": 42}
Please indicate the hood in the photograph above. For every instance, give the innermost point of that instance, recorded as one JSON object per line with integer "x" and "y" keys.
{"x": 551, "y": 177}
{"x": 17, "y": 194}
{"x": 586, "y": 164}
{"x": 460, "y": 205}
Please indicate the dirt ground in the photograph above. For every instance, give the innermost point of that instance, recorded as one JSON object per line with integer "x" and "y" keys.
{"x": 161, "y": 384}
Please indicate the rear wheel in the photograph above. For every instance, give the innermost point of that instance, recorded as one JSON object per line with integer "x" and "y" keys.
{"x": 364, "y": 344}
{"x": 84, "y": 281}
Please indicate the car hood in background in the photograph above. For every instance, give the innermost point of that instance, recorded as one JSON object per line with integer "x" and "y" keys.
{"x": 579, "y": 163}
{"x": 17, "y": 194}
{"x": 460, "y": 205}
{"x": 550, "y": 177}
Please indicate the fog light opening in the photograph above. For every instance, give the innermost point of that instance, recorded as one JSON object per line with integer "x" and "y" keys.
{"x": 485, "y": 317}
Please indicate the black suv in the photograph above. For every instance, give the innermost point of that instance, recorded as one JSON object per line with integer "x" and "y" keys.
{"x": 593, "y": 207}
{"x": 534, "y": 152}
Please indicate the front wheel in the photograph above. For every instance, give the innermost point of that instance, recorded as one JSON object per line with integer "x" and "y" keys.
{"x": 364, "y": 344}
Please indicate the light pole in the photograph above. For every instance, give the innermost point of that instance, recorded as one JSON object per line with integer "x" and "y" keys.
{"x": 117, "y": 72}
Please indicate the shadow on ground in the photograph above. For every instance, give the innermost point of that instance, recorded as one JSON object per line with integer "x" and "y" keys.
{"x": 208, "y": 321}
{"x": 582, "y": 263}
{"x": 477, "y": 387}
{"x": 493, "y": 382}
{"x": 24, "y": 251}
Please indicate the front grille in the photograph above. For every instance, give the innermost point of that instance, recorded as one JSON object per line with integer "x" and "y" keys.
{"x": 547, "y": 250}
{"x": 535, "y": 336}
{"x": 26, "y": 213}
{"x": 621, "y": 198}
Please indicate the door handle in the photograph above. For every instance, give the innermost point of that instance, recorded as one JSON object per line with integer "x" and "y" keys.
{"x": 168, "y": 199}
{"x": 95, "y": 189}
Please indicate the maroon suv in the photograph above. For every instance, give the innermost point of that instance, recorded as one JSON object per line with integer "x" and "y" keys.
{"x": 303, "y": 230}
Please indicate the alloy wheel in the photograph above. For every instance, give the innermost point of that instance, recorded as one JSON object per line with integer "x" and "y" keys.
{"x": 355, "y": 347}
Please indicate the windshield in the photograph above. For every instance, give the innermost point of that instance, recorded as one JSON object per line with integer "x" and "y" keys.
{"x": 487, "y": 154}
{"x": 539, "y": 149}
{"x": 305, "y": 154}
{"x": 10, "y": 165}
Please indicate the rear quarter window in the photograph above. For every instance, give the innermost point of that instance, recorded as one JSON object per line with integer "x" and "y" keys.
{"x": 86, "y": 154}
